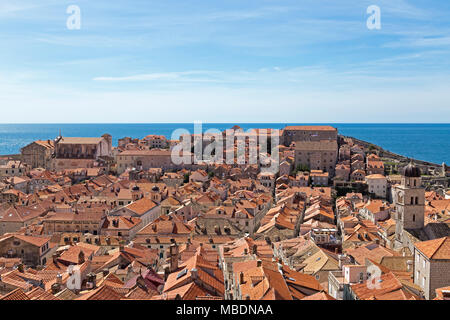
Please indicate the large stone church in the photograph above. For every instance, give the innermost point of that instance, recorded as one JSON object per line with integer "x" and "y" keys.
{"x": 409, "y": 201}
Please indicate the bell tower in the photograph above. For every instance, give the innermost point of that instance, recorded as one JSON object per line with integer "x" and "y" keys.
{"x": 409, "y": 201}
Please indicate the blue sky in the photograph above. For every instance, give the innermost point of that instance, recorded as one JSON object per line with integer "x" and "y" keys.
{"x": 225, "y": 61}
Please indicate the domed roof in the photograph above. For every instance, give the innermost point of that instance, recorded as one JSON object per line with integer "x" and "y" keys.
{"x": 411, "y": 171}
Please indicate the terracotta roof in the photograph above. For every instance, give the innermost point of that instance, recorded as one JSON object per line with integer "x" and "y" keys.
{"x": 388, "y": 287}
{"x": 17, "y": 294}
{"x": 319, "y": 296}
{"x": 36, "y": 241}
{"x": 141, "y": 206}
{"x": 435, "y": 249}
{"x": 102, "y": 293}
{"x": 40, "y": 294}
{"x": 151, "y": 152}
{"x": 123, "y": 222}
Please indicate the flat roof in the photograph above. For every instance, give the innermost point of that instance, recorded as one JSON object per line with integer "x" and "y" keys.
{"x": 77, "y": 140}
{"x": 311, "y": 128}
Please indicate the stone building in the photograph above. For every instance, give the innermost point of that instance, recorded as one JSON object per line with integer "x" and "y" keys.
{"x": 74, "y": 223}
{"x": 13, "y": 168}
{"x": 33, "y": 251}
{"x": 432, "y": 265}
{"x": 72, "y": 153}
{"x": 377, "y": 185}
{"x": 317, "y": 155}
{"x": 308, "y": 133}
{"x": 143, "y": 159}
{"x": 38, "y": 153}
{"x": 16, "y": 217}
{"x": 156, "y": 141}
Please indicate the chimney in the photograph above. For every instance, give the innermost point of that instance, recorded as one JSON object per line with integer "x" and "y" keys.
{"x": 341, "y": 260}
{"x": 194, "y": 273}
{"x": 174, "y": 256}
{"x": 81, "y": 257}
{"x": 56, "y": 287}
{"x": 59, "y": 279}
{"x": 241, "y": 278}
{"x": 105, "y": 272}
{"x": 254, "y": 249}
{"x": 20, "y": 268}
{"x": 91, "y": 281}
{"x": 258, "y": 263}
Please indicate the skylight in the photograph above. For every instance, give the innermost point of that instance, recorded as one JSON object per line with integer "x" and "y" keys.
{"x": 181, "y": 273}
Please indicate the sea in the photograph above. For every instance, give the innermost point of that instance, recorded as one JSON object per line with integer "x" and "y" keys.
{"x": 427, "y": 142}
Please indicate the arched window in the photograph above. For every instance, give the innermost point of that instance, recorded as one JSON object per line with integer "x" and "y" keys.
{"x": 417, "y": 200}
{"x": 414, "y": 217}
{"x": 412, "y": 200}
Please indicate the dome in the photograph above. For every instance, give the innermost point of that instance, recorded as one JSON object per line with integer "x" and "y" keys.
{"x": 411, "y": 171}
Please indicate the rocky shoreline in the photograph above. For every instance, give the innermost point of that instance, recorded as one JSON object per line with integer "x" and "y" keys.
{"x": 391, "y": 155}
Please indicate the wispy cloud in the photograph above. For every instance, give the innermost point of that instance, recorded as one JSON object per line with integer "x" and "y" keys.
{"x": 190, "y": 76}
{"x": 253, "y": 58}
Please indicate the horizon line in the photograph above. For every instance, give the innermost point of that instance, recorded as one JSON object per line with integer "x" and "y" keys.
{"x": 211, "y": 122}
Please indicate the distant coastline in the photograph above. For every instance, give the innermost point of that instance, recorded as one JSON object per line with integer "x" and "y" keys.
{"x": 428, "y": 143}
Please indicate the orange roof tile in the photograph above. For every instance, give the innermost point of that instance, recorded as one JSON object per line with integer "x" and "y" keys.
{"x": 435, "y": 249}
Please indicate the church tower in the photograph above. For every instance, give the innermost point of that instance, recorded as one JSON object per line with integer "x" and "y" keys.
{"x": 409, "y": 201}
